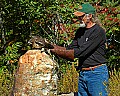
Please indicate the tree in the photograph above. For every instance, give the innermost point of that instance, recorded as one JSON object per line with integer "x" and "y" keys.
{"x": 54, "y": 20}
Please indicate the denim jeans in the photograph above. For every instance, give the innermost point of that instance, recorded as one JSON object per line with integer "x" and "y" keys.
{"x": 93, "y": 82}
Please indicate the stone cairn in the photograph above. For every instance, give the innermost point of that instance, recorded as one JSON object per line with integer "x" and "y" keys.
{"x": 36, "y": 75}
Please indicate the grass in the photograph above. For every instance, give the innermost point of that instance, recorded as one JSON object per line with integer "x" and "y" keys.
{"x": 67, "y": 83}
{"x": 114, "y": 84}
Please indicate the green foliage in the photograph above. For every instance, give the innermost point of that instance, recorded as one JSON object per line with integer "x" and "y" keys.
{"x": 54, "y": 20}
{"x": 11, "y": 52}
{"x": 6, "y": 81}
{"x": 109, "y": 15}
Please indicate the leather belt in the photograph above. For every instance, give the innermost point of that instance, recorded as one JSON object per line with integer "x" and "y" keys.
{"x": 91, "y": 68}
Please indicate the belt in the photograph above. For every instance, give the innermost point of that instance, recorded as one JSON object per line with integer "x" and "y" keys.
{"x": 91, "y": 68}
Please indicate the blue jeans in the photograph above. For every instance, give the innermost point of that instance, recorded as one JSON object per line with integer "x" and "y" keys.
{"x": 93, "y": 82}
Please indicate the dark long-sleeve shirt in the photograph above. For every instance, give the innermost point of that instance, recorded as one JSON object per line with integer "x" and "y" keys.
{"x": 89, "y": 46}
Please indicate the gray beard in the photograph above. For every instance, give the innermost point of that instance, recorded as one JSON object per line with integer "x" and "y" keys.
{"x": 82, "y": 25}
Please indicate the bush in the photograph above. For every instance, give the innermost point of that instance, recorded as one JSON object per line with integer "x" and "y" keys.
{"x": 54, "y": 20}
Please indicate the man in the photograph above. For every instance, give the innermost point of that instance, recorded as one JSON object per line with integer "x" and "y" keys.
{"x": 89, "y": 46}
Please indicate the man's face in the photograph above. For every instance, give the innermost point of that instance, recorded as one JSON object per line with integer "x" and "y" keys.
{"x": 84, "y": 19}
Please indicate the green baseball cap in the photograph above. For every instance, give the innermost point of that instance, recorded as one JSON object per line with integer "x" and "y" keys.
{"x": 85, "y": 9}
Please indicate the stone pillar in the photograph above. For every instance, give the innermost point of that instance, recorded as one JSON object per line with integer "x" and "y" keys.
{"x": 36, "y": 75}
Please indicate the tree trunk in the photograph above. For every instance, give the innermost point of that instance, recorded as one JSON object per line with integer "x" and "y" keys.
{"x": 36, "y": 75}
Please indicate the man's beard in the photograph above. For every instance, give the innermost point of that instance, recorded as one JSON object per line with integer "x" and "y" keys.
{"x": 82, "y": 24}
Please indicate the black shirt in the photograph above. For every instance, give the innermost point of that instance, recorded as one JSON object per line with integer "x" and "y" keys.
{"x": 89, "y": 46}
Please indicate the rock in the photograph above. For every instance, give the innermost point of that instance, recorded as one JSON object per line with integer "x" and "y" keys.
{"x": 36, "y": 75}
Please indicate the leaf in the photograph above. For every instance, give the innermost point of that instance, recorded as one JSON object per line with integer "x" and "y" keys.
{"x": 22, "y": 22}
{"x": 118, "y": 16}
